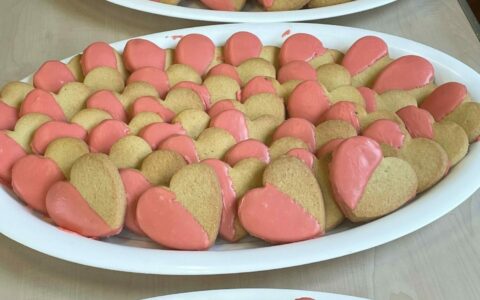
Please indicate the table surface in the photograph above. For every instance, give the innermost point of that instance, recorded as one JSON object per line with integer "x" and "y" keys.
{"x": 440, "y": 261}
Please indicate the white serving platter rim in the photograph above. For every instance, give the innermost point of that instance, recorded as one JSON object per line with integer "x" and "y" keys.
{"x": 249, "y": 16}
{"x": 18, "y": 223}
{"x": 264, "y": 294}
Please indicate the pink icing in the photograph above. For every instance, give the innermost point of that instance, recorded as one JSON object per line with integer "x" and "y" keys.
{"x": 247, "y": 149}
{"x": 96, "y": 55}
{"x": 304, "y": 155}
{"x": 150, "y": 104}
{"x": 105, "y": 134}
{"x": 386, "y": 132}
{"x": 225, "y": 70}
{"x": 154, "y": 134}
{"x": 352, "y": 165}
{"x": 296, "y": 70}
{"x": 298, "y": 128}
{"x": 226, "y": 5}
{"x": 195, "y": 50}
{"x": 406, "y": 73}
{"x": 364, "y": 53}
{"x": 220, "y": 107}
{"x": 273, "y": 216}
{"x": 183, "y": 145}
{"x": 232, "y": 121}
{"x": 32, "y": 176}
{"x": 201, "y": 91}
{"x": 156, "y": 77}
{"x": 329, "y": 147}
{"x": 10, "y": 152}
{"x": 266, "y": 3}
{"x": 69, "y": 210}
{"x": 369, "y": 96}
{"x": 419, "y": 122}
{"x": 445, "y": 99}
{"x": 345, "y": 111}
{"x": 168, "y": 223}
{"x": 53, "y": 130}
{"x": 52, "y": 76}
{"x": 107, "y": 101}
{"x": 9, "y": 116}
{"x": 140, "y": 53}
{"x": 257, "y": 85}
{"x": 301, "y": 46}
{"x": 286, "y": 33}
{"x": 40, "y": 101}
{"x": 308, "y": 101}
{"x": 229, "y": 197}
{"x": 135, "y": 185}
{"x": 242, "y": 46}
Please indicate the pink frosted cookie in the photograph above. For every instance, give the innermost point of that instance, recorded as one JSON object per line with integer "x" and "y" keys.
{"x": 298, "y": 128}
{"x": 52, "y": 76}
{"x": 109, "y": 102}
{"x": 309, "y": 101}
{"x": 296, "y": 70}
{"x": 151, "y": 104}
{"x": 258, "y": 85}
{"x": 386, "y": 132}
{"x": 232, "y": 121}
{"x": 419, "y": 122}
{"x": 445, "y": 99}
{"x": 370, "y": 97}
{"x": 154, "y": 134}
{"x": 225, "y": 70}
{"x": 11, "y": 152}
{"x": 247, "y": 149}
{"x": 9, "y": 116}
{"x": 154, "y": 76}
{"x": 53, "y": 130}
{"x": 196, "y": 51}
{"x": 200, "y": 90}
{"x": 301, "y": 47}
{"x": 343, "y": 110}
{"x": 104, "y": 135}
{"x": 40, "y": 101}
{"x": 99, "y": 54}
{"x": 183, "y": 145}
{"x": 240, "y": 47}
{"x": 140, "y": 53}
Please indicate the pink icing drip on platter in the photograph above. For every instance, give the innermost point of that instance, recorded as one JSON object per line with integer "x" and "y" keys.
{"x": 286, "y": 33}
{"x": 240, "y": 47}
{"x": 104, "y": 135}
{"x": 225, "y": 70}
{"x": 296, "y": 70}
{"x": 150, "y": 104}
{"x": 201, "y": 91}
{"x": 353, "y": 163}
{"x": 96, "y": 55}
{"x": 220, "y": 107}
{"x": 419, "y": 122}
{"x": 345, "y": 111}
{"x": 10, "y": 152}
{"x": 308, "y": 101}
{"x": 247, "y": 149}
{"x": 154, "y": 134}
{"x": 135, "y": 185}
{"x": 156, "y": 77}
{"x": 364, "y": 53}
{"x": 107, "y": 101}
{"x": 273, "y": 216}
{"x": 225, "y": 5}
{"x": 167, "y": 222}
{"x": 53, "y": 130}
{"x": 9, "y": 116}
{"x": 304, "y": 155}
{"x": 32, "y": 176}
{"x": 40, "y": 101}
{"x": 196, "y": 51}
{"x": 329, "y": 147}
{"x": 232, "y": 121}
{"x": 445, "y": 99}
{"x": 369, "y": 96}
{"x": 406, "y": 73}
{"x": 140, "y": 53}
{"x": 183, "y": 145}
{"x": 298, "y": 128}
{"x": 52, "y": 76}
{"x": 386, "y": 132}
{"x": 229, "y": 197}
{"x": 301, "y": 47}
{"x": 69, "y": 210}
{"x": 257, "y": 85}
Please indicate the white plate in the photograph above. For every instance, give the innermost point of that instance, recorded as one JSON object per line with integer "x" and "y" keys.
{"x": 252, "y": 13}
{"x": 248, "y": 294}
{"x": 132, "y": 254}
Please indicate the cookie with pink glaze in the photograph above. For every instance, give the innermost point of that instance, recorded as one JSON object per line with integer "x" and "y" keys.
{"x": 11, "y": 152}
{"x": 365, "y": 59}
{"x": 410, "y": 73}
{"x": 65, "y": 151}
{"x": 92, "y": 203}
{"x": 333, "y": 76}
{"x": 298, "y": 128}
{"x": 154, "y": 134}
{"x": 196, "y": 51}
{"x": 309, "y": 100}
{"x": 43, "y": 102}
{"x": 156, "y": 77}
{"x": 135, "y": 185}
{"x": 140, "y": 53}
{"x": 152, "y": 104}
{"x": 52, "y": 130}
{"x": 333, "y": 130}
{"x": 241, "y": 46}
{"x": 101, "y": 55}
{"x": 366, "y": 185}
{"x": 159, "y": 166}
{"x": 296, "y": 71}
{"x": 180, "y": 99}
{"x": 345, "y": 111}
{"x": 179, "y": 73}
{"x": 260, "y": 85}
{"x": 304, "y": 47}
{"x": 104, "y": 135}
{"x": 183, "y": 216}
{"x": 14, "y": 92}
{"x": 110, "y": 102}
{"x": 24, "y": 130}
{"x": 129, "y": 152}
{"x": 370, "y": 98}
{"x": 390, "y": 135}
{"x": 32, "y": 177}
{"x": 88, "y": 118}
{"x": 225, "y": 5}
{"x": 201, "y": 90}
{"x": 222, "y": 87}
{"x": 247, "y": 149}
{"x": 395, "y": 100}
{"x": 9, "y": 116}
{"x": 288, "y": 208}
{"x": 194, "y": 121}
{"x": 280, "y": 5}
{"x": 283, "y": 145}
{"x": 254, "y": 67}
{"x": 225, "y": 70}
{"x": 142, "y": 120}
{"x": 347, "y": 93}
{"x": 52, "y": 76}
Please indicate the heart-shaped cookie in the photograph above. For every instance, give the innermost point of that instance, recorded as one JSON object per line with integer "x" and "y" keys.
{"x": 255, "y": 67}
{"x": 309, "y": 100}
{"x": 93, "y": 202}
{"x": 104, "y": 135}
{"x": 52, "y": 130}
{"x": 279, "y": 5}
{"x": 52, "y": 76}
{"x": 229, "y": 5}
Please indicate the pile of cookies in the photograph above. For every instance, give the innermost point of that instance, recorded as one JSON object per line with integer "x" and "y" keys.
{"x": 268, "y": 5}
{"x": 183, "y": 145}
